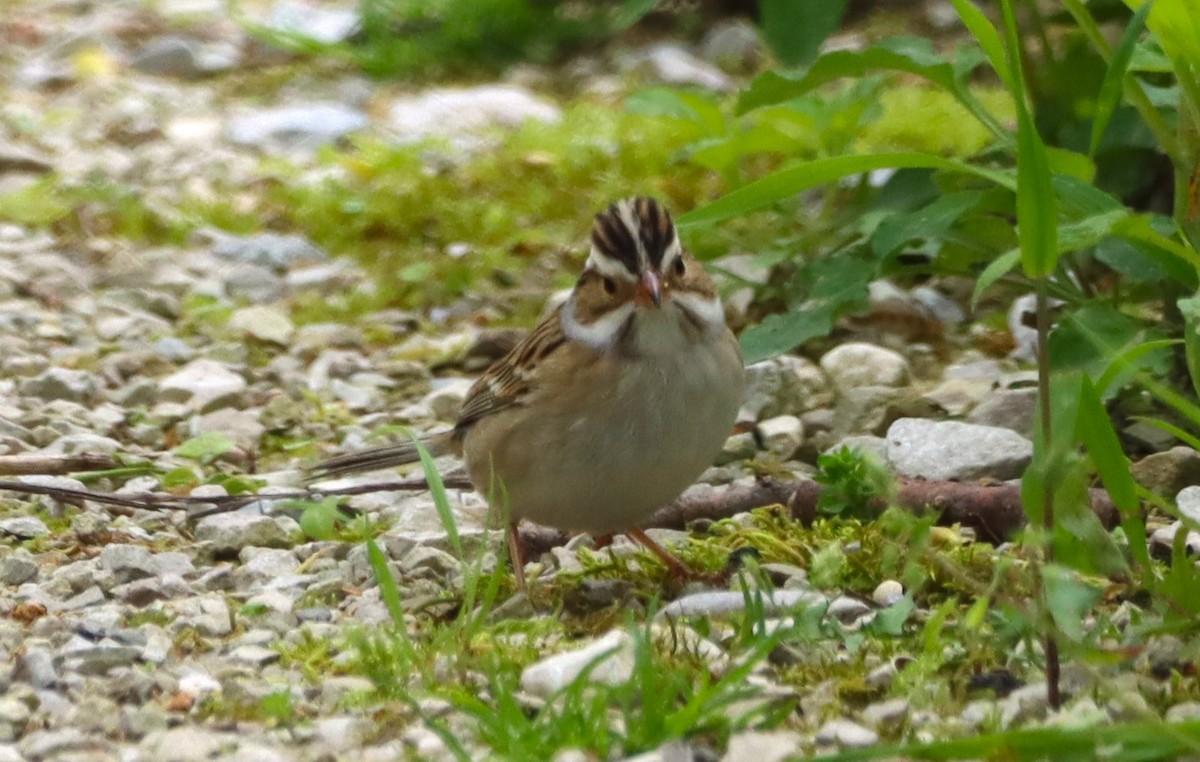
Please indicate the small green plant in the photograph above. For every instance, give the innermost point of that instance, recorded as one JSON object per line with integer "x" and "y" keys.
{"x": 853, "y": 481}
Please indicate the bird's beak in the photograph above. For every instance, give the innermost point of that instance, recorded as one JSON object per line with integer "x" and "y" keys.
{"x": 650, "y": 287}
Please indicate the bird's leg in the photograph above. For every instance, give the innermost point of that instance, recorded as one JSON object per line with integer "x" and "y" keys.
{"x": 674, "y": 565}
{"x": 517, "y": 557}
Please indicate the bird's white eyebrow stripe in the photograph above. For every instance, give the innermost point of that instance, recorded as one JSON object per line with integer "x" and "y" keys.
{"x": 709, "y": 311}
{"x": 607, "y": 266}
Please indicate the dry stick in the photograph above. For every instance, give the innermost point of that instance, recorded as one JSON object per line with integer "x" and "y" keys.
{"x": 31, "y": 464}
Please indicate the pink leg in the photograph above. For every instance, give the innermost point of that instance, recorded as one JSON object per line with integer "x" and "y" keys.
{"x": 518, "y": 559}
{"x": 674, "y": 565}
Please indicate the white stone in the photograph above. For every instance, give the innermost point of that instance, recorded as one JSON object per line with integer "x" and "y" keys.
{"x": 263, "y": 323}
{"x": 200, "y": 383}
{"x": 616, "y": 658}
{"x": 783, "y": 385}
{"x": 888, "y": 592}
{"x": 757, "y": 746}
{"x": 781, "y": 435}
{"x": 861, "y": 364}
{"x": 950, "y": 450}
{"x": 1188, "y": 501}
{"x": 461, "y": 115}
{"x": 845, "y": 733}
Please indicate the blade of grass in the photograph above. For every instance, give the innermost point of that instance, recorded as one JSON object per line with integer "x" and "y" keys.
{"x": 388, "y": 590}
{"x": 1113, "y": 86}
{"x": 438, "y": 490}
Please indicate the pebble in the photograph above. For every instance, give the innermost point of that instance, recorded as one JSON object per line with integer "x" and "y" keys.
{"x": 328, "y": 26}
{"x": 760, "y": 746}
{"x": 888, "y": 592}
{"x": 1007, "y": 408}
{"x": 722, "y": 603}
{"x": 24, "y": 527}
{"x": 553, "y": 673}
{"x": 858, "y": 364}
{"x": 951, "y": 450}
{"x": 782, "y": 435}
{"x": 1170, "y": 471}
{"x": 60, "y": 384}
{"x": 18, "y": 567}
{"x": 462, "y": 115}
{"x": 300, "y": 127}
{"x": 230, "y": 532}
{"x": 263, "y": 323}
{"x": 783, "y": 385}
{"x": 737, "y": 447}
{"x": 846, "y": 734}
{"x": 202, "y": 384}
{"x": 886, "y": 715}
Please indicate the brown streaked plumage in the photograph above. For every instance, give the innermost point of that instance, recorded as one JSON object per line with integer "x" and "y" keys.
{"x": 613, "y": 404}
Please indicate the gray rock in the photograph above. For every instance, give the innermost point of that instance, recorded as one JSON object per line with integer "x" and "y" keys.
{"x": 92, "y": 596}
{"x": 1162, "y": 540}
{"x": 203, "y": 384}
{"x": 722, "y": 603}
{"x": 295, "y": 127}
{"x": 884, "y": 715}
{"x": 242, "y": 426}
{"x": 36, "y": 667}
{"x": 847, "y": 734}
{"x": 60, "y": 384}
{"x": 761, "y": 746}
{"x": 732, "y": 44}
{"x": 462, "y": 115}
{"x": 888, "y": 592}
{"x": 1007, "y": 408}
{"x": 950, "y": 450}
{"x": 98, "y": 659}
{"x": 847, "y": 610}
{"x": 128, "y": 562}
{"x": 263, "y": 323}
{"x": 858, "y": 364}
{"x": 264, "y": 564}
{"x": 863, "y": 444}
{"x": 865, "y": 410}
{"x": 1187, "y": 711}
{"x": 342, "y": 733}
{"x": 208, "y": 614}
{"x": 1188, "y": 502}
{"x": 737, "y": 447}
{"x": 230, "y": 532}
{"x": 1170, "y": 471}
{"x": 24, "y": 527}
{"x": 783, "y": 385}
{"x": 447, "y": 397}
{"x": 1029, "y": 703}
{"x": 18, "y": 567}
{"x": 611, "y": 658}
{"x": 255, "y": 655}
{"x": 782, "y": 435}
{"x": 174, "y": 56}
{"x": 956, "y": 396}
{"x": 274, "y": 251}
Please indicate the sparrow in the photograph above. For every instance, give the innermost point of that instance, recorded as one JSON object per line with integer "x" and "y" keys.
{"x": 611, "y": 406}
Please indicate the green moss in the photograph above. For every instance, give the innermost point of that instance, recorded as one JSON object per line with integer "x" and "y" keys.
{"x": 909, "y": 110}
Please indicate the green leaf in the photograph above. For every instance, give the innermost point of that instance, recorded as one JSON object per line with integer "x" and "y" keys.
{"x": 388, "y": 590}
{"x": 207, "y": 447}
{"x": 781, "y": 333}
{"x": 318, "y": 519}
{"x": 987, "y": 37}
{"x": 1037, "y": 214}
{"x": 912, "y": 55}
{"x": 928, "y": 222}
{"x": 890, "y": 620}
{"x": 1094, "y": 428}
{"x": 36, "y": 204}
{"x": 1113, "y": 86}
{"x": 786, "y": 183}
{"x": 438, "y": 490}
{"x": 795, "y": 29}
{"x": 1190, "y": 309}
{"x": 1069, "y": 598}
{"x": 999, "y": 267}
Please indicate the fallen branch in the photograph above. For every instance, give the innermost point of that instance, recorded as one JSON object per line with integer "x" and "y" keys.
{"x": 29, "y": 464}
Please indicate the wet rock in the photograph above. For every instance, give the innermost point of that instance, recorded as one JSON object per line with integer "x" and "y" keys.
{"x": 858, "y": 364}
{"x": 950, "y": 450}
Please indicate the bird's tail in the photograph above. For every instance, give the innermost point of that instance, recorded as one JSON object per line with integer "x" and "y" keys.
{"x": 381, "y": 457}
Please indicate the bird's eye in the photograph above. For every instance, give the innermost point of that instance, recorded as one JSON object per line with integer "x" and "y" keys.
{"x": 610, "y": 286}
{"x": 679, "y": 266}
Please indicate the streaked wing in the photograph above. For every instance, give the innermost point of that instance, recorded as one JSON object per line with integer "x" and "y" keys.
{"x": 510, "y": 380}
